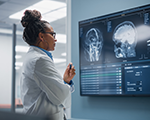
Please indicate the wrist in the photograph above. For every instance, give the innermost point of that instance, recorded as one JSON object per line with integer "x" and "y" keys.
{"x": 70, "y": 83}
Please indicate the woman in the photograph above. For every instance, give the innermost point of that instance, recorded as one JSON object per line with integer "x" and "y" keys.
{"x": 43, "y": 91}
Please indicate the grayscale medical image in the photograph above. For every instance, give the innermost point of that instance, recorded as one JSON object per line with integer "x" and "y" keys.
{"x": 125, "y": 39}
{"x": 93, "y": 44}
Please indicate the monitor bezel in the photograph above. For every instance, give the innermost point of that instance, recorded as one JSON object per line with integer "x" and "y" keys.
{"x": 111, "y": 15}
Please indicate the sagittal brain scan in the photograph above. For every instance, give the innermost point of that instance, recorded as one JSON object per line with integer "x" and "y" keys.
{"x": 125, "y": 40}
{"x": 93, "y": 44}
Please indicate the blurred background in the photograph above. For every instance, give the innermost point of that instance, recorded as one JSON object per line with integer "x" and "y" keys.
{"x": 11, "y": 11}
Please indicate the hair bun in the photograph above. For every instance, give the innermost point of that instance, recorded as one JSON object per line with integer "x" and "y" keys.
{"x": 30, "y": 16}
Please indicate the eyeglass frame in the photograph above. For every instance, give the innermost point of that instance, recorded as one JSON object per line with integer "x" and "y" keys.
{"x": 52, "y": 33}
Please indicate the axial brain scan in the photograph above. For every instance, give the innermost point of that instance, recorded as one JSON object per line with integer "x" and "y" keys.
{"x": 125, "y": 41}
{"x": 93, "y": 44}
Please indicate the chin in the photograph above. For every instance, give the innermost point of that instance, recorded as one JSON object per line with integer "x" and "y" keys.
{"x": 52, "y": 49}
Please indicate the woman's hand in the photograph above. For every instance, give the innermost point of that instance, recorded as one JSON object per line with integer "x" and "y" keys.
{"x": 69, "y": 73}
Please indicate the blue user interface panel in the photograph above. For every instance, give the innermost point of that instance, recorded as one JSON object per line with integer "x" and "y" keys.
{"x": 115, "y": 53}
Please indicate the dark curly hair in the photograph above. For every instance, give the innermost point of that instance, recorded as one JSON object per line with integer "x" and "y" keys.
{"x": 33, "y": 26}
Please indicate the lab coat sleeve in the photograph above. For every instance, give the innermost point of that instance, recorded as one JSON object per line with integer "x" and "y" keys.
{"x": 50, "y": 81}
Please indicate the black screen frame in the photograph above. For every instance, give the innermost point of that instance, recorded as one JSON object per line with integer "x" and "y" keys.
{"x": 116, "y": 14}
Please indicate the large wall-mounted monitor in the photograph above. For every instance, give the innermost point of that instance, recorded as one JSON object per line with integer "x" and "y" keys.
{"x": 114, "y": 52}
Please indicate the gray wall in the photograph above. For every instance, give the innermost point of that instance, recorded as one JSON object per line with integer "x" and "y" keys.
{"x": 103, "y": 108}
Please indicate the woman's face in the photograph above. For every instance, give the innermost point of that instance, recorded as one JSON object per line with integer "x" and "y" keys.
{"x": 48, "y": 39}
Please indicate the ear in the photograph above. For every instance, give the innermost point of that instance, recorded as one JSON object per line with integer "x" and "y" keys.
{"x": 41, "y": 36}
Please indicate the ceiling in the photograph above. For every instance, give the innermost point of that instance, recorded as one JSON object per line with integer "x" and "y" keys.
{"x": 9, "y": 7}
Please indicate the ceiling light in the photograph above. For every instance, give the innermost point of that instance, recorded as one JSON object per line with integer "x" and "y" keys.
{"x": 50, "y": 10}
{"x": 54, "y": 15}
{"x": 17, "y": 68}
{"x": 6, "y": 31}
{"x": 19, "y": 32}
{"x": 18, "y": 56}
{"x": 45, "y": 6}
{"x": 58, "y": 60}
{"x": 63, "y": 54}
{"x": 20, "y": 48}
{"x": 10, "y": 31}
{"x": 19, "y": 63}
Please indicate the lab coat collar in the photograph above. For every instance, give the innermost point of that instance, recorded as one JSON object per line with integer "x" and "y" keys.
{"x": 47, "y": 52}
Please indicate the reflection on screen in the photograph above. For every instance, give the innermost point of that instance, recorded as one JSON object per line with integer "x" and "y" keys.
{"x": 115, "y": 53}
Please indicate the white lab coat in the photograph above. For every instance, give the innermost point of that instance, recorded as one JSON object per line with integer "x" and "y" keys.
{"x": 43, "y": 91}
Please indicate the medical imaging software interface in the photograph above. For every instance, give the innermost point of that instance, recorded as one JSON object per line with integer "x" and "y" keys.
{"x": 115, "y": 53}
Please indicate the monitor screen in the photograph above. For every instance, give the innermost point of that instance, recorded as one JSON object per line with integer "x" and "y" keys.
{"x": 114, "y": 53}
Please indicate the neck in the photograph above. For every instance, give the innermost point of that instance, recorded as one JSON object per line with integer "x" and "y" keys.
{"x": 41, "y": 44}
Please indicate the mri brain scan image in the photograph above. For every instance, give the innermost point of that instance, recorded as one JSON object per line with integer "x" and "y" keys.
{"x": 124, "y": 37}
{"x": 93, "y": 45}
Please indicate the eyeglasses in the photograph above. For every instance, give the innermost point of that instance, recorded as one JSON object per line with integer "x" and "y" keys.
{"x": 52, "y": 33}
